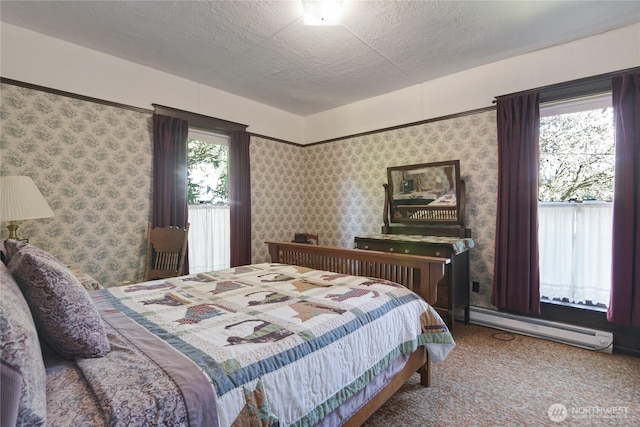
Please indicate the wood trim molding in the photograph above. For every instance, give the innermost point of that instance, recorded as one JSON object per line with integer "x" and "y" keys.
{"x": 406, "y": 125}
{"x": 224, "y": 126}
{"x": 257, "y": 135}
{"x": 74, "y": 95}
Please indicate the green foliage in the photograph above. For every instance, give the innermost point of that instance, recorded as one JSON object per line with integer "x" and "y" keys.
{"x": 207, "y": 175}
{"x": 577, "y": 156}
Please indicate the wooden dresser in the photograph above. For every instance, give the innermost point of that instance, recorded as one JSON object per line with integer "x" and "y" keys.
{"x": 424, "y": 210}
{"x": 453, "y": 289}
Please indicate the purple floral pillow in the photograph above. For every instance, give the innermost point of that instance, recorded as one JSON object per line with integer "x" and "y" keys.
{"x": 64, "y": 314}
{"x": 22, "y": 372}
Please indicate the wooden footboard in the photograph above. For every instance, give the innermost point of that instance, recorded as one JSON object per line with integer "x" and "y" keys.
{"x": 418, "y": 361}
{"x": 421, "y": 274}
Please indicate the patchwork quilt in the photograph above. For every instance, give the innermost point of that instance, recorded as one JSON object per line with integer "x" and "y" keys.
{"x": 282, "y": 344}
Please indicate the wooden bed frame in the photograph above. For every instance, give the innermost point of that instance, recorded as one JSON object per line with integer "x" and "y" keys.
{"x": 421, "y": 274}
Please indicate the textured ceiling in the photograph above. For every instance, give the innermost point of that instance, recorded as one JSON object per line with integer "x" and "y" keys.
{"x": 262, "y": 51}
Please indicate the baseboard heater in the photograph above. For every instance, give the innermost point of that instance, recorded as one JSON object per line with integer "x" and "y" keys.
{"x": 578, "y": 336}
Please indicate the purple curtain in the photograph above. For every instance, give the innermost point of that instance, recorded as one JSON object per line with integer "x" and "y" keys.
{"x": 240, "y": 198}
{"x": 516, "y": 278}
{"x": 624, "y": 304}
{"x": 170, "y": 138}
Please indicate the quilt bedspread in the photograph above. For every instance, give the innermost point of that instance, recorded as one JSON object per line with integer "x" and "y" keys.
{"x": 266, "y": 332}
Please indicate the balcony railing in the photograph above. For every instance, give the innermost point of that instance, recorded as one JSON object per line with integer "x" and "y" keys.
{"x": 575, "y": 250}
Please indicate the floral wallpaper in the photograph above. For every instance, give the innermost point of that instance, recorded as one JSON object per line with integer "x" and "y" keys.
{"x": 342, "y": 191}
{"x": 93, "y": 165}
{"x": 278, "y": 200}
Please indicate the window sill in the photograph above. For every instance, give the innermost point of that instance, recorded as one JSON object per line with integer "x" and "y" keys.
{"x": 574, "y": 305}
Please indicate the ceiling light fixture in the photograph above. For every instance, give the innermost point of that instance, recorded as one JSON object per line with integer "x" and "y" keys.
{"x": 322, "y": 12}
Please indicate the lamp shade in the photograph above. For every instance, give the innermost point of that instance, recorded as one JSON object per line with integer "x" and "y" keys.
{"x": 20, "y": 199}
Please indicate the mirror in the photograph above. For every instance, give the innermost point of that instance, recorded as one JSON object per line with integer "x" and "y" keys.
{"x": 427, "y": 193}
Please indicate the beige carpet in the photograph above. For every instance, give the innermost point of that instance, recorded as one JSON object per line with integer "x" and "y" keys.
{"x": 490, "y": 382}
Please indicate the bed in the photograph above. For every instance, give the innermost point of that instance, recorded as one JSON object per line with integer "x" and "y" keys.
{"x": 281, "y": 343}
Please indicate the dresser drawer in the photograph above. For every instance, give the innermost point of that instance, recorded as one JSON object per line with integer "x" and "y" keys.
{"x": 405, "y": 248}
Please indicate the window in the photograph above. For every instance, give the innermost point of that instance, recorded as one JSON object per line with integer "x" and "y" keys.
{"x": 207, "y": 168}
{"x": 208, "y": 201}
{"x": 575, "y": 200}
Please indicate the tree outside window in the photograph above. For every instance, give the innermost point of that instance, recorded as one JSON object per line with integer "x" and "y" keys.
{"x": 577, "y": 156}
{"x": 207, "y": 173}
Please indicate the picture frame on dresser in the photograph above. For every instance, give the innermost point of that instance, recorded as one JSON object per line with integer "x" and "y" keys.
{"x": 424, "y": 214}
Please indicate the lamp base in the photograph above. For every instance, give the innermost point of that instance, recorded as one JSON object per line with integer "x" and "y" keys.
{"x": 13, "y": 228}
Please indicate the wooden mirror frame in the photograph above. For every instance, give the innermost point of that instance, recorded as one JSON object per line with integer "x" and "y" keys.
{"x": 435, "y": 183}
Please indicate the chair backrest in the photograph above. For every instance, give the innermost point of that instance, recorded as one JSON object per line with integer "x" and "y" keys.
{"x": 166, "y": 248}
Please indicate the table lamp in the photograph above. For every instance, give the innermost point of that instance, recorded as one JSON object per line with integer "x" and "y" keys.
{"x": 20, "y": 199}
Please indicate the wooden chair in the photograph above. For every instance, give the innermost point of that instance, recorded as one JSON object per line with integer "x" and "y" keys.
{"x": 166, "y": 247}
{"x": 306, "y": 238}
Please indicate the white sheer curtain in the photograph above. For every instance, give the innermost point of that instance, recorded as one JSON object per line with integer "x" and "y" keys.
{"x": 575, "y": 250}
{"x": 208, "y": 238}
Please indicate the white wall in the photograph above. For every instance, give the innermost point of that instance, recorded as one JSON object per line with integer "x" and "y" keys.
{"x": 34, "y": 58}
{"x": 41, "y": 60}
{"x": 476, "y": 88}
